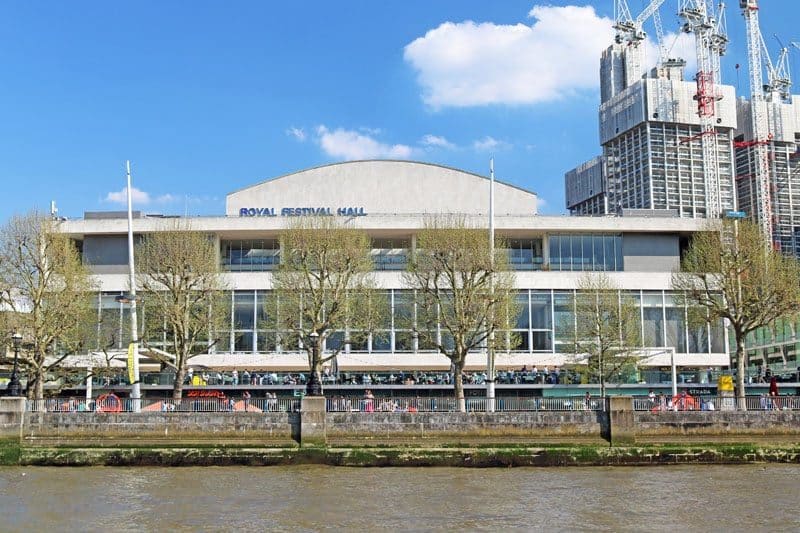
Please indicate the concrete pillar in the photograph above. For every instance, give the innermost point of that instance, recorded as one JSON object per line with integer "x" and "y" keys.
{"x": 12, "y": 413}
{"x": 621, "y": 425}
{"x": 312, "y": 421}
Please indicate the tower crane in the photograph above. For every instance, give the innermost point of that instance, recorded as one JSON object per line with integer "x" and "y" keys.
{"x": 710, "y": 43}
{"x": 760, "y": 120}
{"x": 629, "y": 30}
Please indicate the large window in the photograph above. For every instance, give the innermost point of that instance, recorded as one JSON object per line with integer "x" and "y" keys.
{"x": 544, "y": 321}
{"x": 525, "y": 254}
{"x": 594, "y": 252}
{"x": 390, "y": 254}
{"x": 250, "y": 255}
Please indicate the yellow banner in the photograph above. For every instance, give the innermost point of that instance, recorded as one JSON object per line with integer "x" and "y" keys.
{"x": 130, "y": 362}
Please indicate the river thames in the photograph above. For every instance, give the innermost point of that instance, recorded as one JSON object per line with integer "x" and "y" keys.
{"x": 314, "y": 498}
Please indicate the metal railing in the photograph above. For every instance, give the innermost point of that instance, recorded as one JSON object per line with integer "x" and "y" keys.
{"x": 716, "y": 403}
{"x": 110, "y": 403}
{"x": 424, "y": 405}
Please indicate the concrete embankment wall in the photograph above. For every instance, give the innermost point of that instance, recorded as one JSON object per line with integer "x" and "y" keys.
{"x": 393, "y": 428}
{"x": 201, "y": 428}
{"x": 620, "y": 425}
{"x": 727, "y": 425}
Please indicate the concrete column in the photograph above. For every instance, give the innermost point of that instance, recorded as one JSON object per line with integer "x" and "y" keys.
{"x": 312, "y": 421}
{"x": 621, "y": 425}
{"x": 12, "y": 412}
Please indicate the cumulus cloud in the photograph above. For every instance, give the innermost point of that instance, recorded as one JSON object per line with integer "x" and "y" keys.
{"x": 139, "y": 197}
{"x": 470, "y": 64}
{"x": 297, "y": 133}
{"x": 489, "y": 143}
{"x": 121, "y": 197}
{"x": 436, "y": 141}
{"x": 349, "y": 144}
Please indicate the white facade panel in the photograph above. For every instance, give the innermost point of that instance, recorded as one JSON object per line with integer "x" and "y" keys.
{"x": 382, "y": 187}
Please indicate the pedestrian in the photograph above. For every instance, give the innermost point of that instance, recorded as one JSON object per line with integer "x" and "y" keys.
{"x": 246, "y": 398}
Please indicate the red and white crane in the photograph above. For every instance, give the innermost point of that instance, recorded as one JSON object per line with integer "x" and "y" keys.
{"x": 759, "y": 118}
{"x": 710, "y": 44}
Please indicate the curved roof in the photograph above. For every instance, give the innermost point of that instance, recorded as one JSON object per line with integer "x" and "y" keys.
{"x": 382, "y": 187}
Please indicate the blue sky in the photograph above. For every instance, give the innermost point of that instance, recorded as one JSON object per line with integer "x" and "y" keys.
{"x": 207, "y": 97}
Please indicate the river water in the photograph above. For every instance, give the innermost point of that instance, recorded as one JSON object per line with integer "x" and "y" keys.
{"x": 315, "y": 498}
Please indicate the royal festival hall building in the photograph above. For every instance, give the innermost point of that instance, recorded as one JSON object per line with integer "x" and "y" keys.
{"x": 391, "y": 201}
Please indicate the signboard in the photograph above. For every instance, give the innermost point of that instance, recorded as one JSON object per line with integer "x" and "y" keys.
{"x": 302, "y": 211}
{"x": 131, "y": 355}
{"x": 735, "y": 214}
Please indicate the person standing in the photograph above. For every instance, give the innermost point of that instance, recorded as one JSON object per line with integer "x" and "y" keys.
{"x": 246, "y": 398}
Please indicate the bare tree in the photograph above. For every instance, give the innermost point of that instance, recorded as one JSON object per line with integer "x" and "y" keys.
{"x": 607, "y": 329}
{"x": 324, "y": 287}
{"x": 463, "y": 294}
{"x": 47, "y": 293}
{"x": 732, "y": 273}
{"x": 183, "y": 296}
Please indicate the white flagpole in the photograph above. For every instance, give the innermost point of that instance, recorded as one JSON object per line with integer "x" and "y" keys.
{"x": 490, "y": 373}
{"x": 136, "y": 393}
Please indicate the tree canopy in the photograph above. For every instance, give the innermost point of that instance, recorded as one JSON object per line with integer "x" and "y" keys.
{"x": 47, "y": 293}
{"x": 731, "y": 272}
{"x": 183, "y": 297}
{"x": 324, "y": 291}
{"x": 464, "y": 292}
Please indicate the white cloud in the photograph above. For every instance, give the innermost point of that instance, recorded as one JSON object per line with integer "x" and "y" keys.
{"x": 140, "y": 197}
{"x": 469, "y": 64}
{"x": 348, "y": 144}
{"x": 489, "y": 143}
{"x": 297, "y": 133}
{"x": 437, "y": 141}
{"x": 121, "y": 197}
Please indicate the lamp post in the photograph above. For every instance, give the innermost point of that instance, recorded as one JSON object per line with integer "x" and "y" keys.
{"x": 130, "y": 298}
{"x": 13, "y": 388}
{"x": 674, "y": 370}
{"x": 136, "y": 393}
{"x": 314, "y": 385}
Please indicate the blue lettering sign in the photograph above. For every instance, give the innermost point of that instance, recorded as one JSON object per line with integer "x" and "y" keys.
{"x": 301, "y": 211}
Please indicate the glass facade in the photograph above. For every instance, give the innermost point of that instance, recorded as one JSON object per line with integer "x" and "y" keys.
{"x": 525, "y": 254}
{"x": 390, "y": 254}
{"x": 587, "y": 252}
{"x": 244, "y": 255}
{"x": 544, "y": 323}
{"x": 568, "y": 252}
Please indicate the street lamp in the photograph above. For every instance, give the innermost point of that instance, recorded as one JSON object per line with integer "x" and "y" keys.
{"x": 13, "y": 388}
{"x": 131, "y": 299}
{"x": 314, "y": 385}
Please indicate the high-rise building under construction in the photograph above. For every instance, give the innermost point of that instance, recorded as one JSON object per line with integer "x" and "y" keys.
{"x": 690, "y": 148}
{"x": 652, "y": 139}
{"x": 783, "y": 167}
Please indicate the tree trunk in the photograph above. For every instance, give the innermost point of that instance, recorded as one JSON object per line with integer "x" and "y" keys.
{"x": 34, "y": 389}
{"x": 602, "y": 379}
{"x": 177, "y": 387}
{"x": 458, "y": 387}
{"x": 741, "y": 356}
{"x": 314, "y": 383}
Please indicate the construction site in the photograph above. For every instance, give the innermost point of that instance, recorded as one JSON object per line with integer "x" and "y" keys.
{"x": 683, "y": 144}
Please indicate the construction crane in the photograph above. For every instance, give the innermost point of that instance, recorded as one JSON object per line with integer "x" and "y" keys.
{"x": 630, "y": 31}
{"x": 710, "y": 43}
{"x": 759, "y": 117}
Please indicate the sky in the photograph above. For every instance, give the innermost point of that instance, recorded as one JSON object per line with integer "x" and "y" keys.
{"x": 206, "y": 97}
